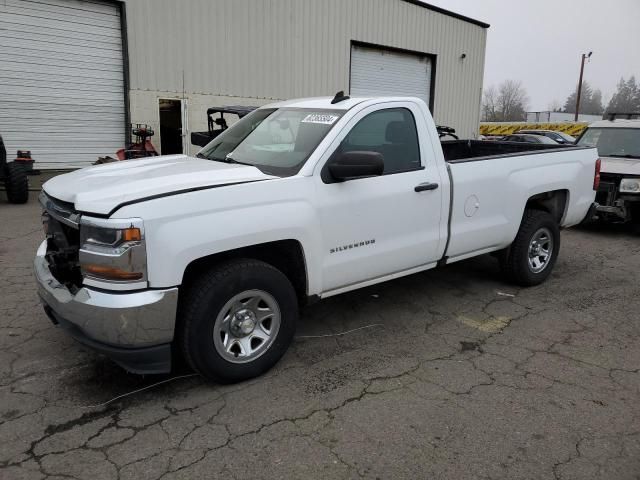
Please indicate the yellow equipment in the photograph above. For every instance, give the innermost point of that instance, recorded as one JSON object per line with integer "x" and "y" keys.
{"x": 507, "y": 128}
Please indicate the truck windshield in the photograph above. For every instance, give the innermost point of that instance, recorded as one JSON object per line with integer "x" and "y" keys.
{"x": 277, "y": 141}
{"x": 613, "y": 142}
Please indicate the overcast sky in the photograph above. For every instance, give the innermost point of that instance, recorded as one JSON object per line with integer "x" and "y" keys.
{"x": 540, "y": 42}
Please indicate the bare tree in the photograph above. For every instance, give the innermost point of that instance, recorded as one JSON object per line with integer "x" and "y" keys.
{"x": 513, "y": 100}
{"x": 489, "y": 104}
{"x": 554, "y": 106}
{"x": 506, "y": 103}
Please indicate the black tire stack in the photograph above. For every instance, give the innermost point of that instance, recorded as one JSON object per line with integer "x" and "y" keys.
{"x": 16, "y": 183}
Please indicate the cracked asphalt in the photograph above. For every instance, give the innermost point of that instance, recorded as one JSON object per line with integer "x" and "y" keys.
{"x": 466, "y": 378}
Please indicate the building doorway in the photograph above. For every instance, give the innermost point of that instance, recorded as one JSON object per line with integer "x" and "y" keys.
{"x": 171, "y": 128}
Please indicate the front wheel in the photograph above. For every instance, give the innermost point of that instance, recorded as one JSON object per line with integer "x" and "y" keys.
{"x": 238, "y": 319}
{"x": 531, "y": 257}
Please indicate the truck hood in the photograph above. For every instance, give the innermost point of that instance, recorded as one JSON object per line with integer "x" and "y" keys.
{"x": 102, "y": 188}
{"x": 623, "y": 166}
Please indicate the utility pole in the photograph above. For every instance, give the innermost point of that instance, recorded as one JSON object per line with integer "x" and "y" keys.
{"x": 584, "y": 57}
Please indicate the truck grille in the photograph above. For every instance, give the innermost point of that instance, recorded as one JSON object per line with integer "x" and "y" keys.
{"x": 61, "y": 225}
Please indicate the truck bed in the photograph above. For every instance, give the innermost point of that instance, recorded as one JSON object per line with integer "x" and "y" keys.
{"x": 492, "y": 182}
{"x": 470, "y": 150}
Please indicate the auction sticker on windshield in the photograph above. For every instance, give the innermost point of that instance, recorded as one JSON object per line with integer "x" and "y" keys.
{"x": 323, "y": 118}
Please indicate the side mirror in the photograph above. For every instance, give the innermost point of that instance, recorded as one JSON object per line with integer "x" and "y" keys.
{"x": 356, "y": 164}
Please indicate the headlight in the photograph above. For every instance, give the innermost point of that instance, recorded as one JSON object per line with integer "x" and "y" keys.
{"x": 630, "y": 185}
{"x": 109, "y": 238}
{"x": 113, "y": 253}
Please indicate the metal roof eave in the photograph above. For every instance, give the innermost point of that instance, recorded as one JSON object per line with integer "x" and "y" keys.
{"x": 449, "y": 13}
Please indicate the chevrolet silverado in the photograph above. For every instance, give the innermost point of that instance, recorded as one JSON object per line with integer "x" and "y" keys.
{"x": 210, "y": 257}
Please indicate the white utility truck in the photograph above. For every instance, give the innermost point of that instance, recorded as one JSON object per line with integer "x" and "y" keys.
{"x": 210, "y": 257}
{"x": 618, "y": 142}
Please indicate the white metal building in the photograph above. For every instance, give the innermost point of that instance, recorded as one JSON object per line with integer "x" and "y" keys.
{"x": 74, "y": 74}
{"x": 554, "y": 117}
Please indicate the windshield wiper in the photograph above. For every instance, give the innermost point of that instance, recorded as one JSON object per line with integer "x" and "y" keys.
{"x": 228, "y": 159}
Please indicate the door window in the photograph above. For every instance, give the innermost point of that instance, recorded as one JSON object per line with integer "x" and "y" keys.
{"x": 391, "y": 132}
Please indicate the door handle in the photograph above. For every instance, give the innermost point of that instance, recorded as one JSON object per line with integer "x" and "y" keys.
{"x": 426, "y": 186}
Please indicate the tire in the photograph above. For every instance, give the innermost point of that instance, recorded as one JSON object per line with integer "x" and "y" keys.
{"x": 517, "y": 264}
{"x": 16, "y": 183}
{"x": 635, "y": 217}
{"x": 218, "y": 311}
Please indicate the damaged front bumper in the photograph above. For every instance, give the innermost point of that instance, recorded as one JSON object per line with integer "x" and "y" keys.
{"x": 617, "y": 210}
{"x": 134, "y": 329}
{"x": 620, "y": 210}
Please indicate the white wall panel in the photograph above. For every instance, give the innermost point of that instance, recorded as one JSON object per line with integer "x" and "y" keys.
{"x": 277, "y": 49}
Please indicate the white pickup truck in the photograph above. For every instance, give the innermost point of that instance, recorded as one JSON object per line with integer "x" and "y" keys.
{"x": 210, "y": 257}
{"x": 618, "y": 143}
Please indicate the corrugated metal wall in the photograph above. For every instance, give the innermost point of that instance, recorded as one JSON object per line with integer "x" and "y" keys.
{"x": 61, "y": 80}
{"x": 276, "y": 49}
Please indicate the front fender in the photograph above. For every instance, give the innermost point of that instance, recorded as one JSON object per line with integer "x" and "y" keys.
{"x": 187, "y": 227}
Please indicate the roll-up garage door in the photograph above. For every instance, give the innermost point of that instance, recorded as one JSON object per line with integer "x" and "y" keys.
{"x": 379, "y": 72}
{"x": 61, "y": 80}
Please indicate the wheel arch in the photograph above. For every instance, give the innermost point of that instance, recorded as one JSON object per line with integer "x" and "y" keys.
{"x": 554, "y": 202}
{"x": 285, "y": 255}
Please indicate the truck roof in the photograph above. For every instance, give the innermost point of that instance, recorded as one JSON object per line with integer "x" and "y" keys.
{"x": 617, "y": 123}
{"x": 325, "y": 102}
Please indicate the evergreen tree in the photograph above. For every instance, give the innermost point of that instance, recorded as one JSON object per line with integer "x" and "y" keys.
{"x": 627, "y": 97}
{"x": 595, "y": 106}
{"x": 590, "y": 101}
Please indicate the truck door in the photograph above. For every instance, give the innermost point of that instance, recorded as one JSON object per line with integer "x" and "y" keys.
{"x": 377, "y": 226}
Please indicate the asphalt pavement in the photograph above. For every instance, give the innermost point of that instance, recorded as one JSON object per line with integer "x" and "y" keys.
{"x": 458, "y": 375}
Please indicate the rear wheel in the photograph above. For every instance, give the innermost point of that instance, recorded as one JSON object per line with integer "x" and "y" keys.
{"x": 531, "y": 257}
{"x": 16, "y": 183}
{"x": 238, "y": 320}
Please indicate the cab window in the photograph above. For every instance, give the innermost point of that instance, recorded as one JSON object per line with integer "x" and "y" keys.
{"x": 391, "y": 132}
